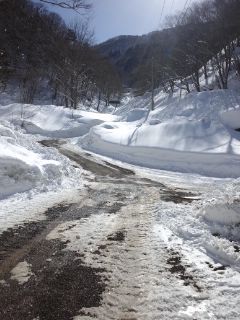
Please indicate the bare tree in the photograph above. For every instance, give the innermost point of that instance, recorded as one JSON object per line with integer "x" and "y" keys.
{"x": 69, "y": 4}
{"x": 222, "y": 62}
{"x": 28, "y": 85}
{"x": 82, "y": 32}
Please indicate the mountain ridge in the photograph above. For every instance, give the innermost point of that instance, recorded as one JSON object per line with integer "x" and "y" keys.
{"x": 128, "y": 52}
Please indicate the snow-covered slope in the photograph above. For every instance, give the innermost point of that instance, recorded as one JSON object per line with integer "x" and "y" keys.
{"x": 52, "y": 121}
{"x": 192, "y": 133}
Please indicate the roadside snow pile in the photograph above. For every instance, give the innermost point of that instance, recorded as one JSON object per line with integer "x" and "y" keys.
{"x": 192, "y": 133}
{"x": 189, "y": 134}
{"x": 182, "y": 135}
{"x": 220, "y": 216}
{"x": 25, "y": 165}
{"x": 222, "y": 213}
{"x": 52, "y": 121}
{"x": 231, "y": 118}
{"x": 208, "y": 231}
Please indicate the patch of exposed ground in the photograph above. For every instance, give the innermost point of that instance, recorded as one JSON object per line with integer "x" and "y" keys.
{"x": 178, "y": 268}
{"x": 123, "y": 171}
{"x": 111, "y": 171}
{"x": 15, "y": 242}
{"x": 176, "y": 196}
{"x": 87, "y": 162}
{"x": 61, "y": 286}
{"x": 216, "y": 268}
{"x": 118, "y": 236}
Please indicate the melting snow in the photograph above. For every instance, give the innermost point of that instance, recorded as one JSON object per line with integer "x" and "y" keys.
{"x": 22, "y": 272}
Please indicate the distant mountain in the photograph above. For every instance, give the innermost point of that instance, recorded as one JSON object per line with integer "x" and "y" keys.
{"x": 117, "y": 47}
{"x": 127, "y": 53}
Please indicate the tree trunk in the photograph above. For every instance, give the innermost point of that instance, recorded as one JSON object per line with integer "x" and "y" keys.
{"x": 99, "y": 100}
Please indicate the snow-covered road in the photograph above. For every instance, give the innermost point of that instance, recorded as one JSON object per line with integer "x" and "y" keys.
{"x": 118, "y": 252}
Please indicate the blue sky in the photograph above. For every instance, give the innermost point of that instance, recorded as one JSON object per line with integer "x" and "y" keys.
{"x": 110, "y": 18}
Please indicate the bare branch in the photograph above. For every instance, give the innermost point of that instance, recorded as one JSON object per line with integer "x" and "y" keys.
{"x": 69, "y": 4}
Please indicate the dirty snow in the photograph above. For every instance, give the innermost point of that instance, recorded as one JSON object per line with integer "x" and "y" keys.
{"x": 31, "y": 206}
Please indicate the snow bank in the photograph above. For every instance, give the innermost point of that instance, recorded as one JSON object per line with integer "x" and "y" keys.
{"x": 188, "y": 134}
{"x": 222, "y": 213}
{"x": 180, "y": 135}
{"x": 193, "y": 106}
{"x": 212, "y": 165}
{"x": 192, "y": 133}
{"x": 223, "y": 209}
{"x": 21, "y": 169}
{"x": 135, "y": 115}
{"x": 231, "y": 118}
{"x": 198, "y": 146}
{"x": 25, "y": 165}
{"x": 52, "y": 121}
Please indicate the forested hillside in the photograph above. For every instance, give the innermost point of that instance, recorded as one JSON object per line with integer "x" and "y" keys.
{"x": 202, "y": 37}
{"x": 38, "y": 51}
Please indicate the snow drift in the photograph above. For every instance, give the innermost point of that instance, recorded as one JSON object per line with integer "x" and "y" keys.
{"x": 52, "y": 121}
{"x": 189, "y": 134}
{"x": 25, "y": 165}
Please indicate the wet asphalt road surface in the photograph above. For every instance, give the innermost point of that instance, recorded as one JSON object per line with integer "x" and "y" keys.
{"x": 62, "y": 284}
